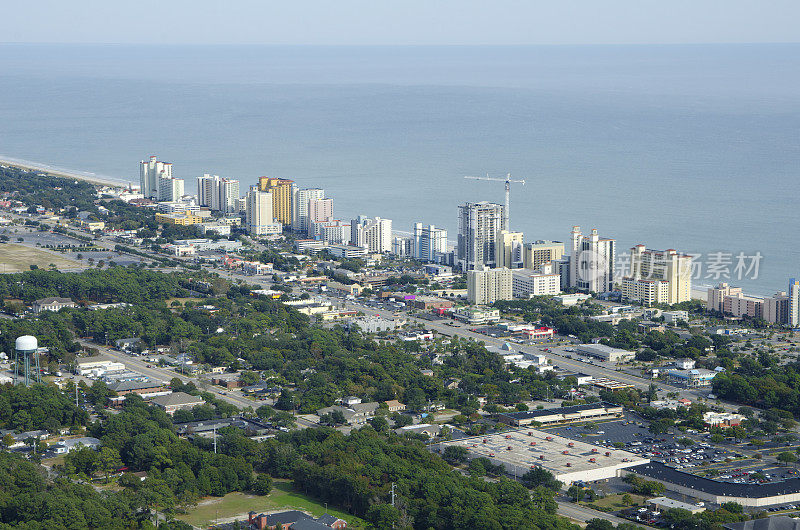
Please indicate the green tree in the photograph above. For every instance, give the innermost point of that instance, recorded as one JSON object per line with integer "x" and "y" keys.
{"x": 732, "y": 507}
{"x": 540, "y": 477}
{"x": 262, "y": 484}
{"x": 455, "y": 454}
{"x": 599, "y": 524}
{"x": 383, "y": 516}
{"x": 108, "y": 460}
{"x": 786, "y": 457}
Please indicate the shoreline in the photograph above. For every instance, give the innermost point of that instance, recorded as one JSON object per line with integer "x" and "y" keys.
{"x": 63, "y": 172}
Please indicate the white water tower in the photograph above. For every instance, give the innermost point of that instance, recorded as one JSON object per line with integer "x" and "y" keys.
{"x": 26, "y": 347}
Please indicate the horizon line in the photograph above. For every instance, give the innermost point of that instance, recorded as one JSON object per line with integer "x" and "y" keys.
{"x": 399, "y": 45}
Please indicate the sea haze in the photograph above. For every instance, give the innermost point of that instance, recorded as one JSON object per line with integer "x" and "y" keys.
{"x": 687, "y": 147}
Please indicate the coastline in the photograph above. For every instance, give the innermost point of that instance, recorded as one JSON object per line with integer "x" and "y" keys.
{"x": 102, "y": 180}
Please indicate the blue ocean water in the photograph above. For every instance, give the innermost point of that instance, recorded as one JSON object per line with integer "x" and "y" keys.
{"x": 687, "y": 147}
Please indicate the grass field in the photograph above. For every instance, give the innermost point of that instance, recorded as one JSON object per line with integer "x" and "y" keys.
{"x": 182, "y": 301}
{"x": 19, "y": 258}
{"x": 614, "y": 502}
{"x": 237, "y": 505}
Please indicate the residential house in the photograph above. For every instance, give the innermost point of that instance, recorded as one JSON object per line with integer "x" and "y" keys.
{"x": 395, "y": 406}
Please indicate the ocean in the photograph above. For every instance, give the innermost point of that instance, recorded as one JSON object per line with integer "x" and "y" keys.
{"x": 688, "y": 147}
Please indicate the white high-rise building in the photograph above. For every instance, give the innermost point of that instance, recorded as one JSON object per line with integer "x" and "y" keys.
{"x": 592, "y": 261}
{"x": 794, "y": 302}
{"x": 228, "y": 196}
{"x": 658, "y": 276}
{"x": 170, "y": 189}
{"x": 478, "y": 225}
{"x": 149, "y": 174}
{"x": 374, "y": 234}
{"x": 300, "y": 205}
{"x": 333, "y": 231}
{"x": 205, "y": 189}
{"x": 428, "y": 242}
{"x": 258, "y": 213}
{"x": 403, "y": 247}
{"x": 218, "y": 193}
{"x": 485, "y": 285}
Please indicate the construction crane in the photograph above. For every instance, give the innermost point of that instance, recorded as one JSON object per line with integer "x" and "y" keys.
{"x": 508, "y": 182}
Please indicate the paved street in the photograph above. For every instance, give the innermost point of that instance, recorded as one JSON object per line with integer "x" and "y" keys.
{"x": 582, "y": 513}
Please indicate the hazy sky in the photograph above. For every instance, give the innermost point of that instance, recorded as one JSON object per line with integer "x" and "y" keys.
{"x": 401, "y": 22}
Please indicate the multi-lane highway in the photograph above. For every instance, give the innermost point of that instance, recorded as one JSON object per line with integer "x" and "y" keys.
{"x": 557, "y": 354}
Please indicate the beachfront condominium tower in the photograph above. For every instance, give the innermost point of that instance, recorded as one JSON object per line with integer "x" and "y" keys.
{"x": 205, "y": 189}
{"x": 508, "y": 249}
{"x": 541, "y": 252}
{"x": 149, "y": 173}
{"x": 794, "y": 302}
{"x": 218, "y": 193}
{"x": 429, "y": 242}
{"x": 300, "y": 202}
{"x": 319, "y": 211}
{"x": 170, "y": 189}
{"x": 282, "y": 191}
{"x": 592, "y": 261}
{"x": 658, "y": 276}
{"x": 372, "y": 233}
{"x": 478, "y": 225}
{"x": 258, "y": 211}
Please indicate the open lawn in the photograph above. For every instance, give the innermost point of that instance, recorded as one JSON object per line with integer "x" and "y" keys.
{"x": 236, "y": 506}
{"x": 19, "y": 258}
{"x": 182, "y": 301}
{"x": 614, "y": 502}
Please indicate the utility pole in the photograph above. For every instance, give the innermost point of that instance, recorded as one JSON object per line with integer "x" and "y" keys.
{"x": 392, "y": 493}
{"x": 215, "y": 439}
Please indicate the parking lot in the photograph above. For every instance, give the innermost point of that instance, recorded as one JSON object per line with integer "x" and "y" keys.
{"x": 723, "y": 463}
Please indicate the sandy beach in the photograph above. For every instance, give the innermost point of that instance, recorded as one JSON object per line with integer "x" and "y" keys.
{"x": 63, "y": 172}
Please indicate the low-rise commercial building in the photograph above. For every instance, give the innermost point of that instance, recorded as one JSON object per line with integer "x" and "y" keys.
{"x": 568, "y": 460}
{"x": 673, "y": 317}
{"x": 68, "y": 445}
{"x": 98, "y": 368}
{"x": 347, "y": 251}
{"x": 696, "y": 377}
{"x": 175, "y": 401}
{"x": 528, "y": 282}
{"x": 476, "y": 316}
{"x": 722, "y": 419}
{"x": 661, "y": 504}
{"x": 589, "y": 411}
{"x": 606, "y": 353}
{"x": 54, "y": 303}
{"x": 354, "y": 414}
{"x": 572, "y": 299}
{"x": 717, "y": 492}
{"x": 185, "y": 218}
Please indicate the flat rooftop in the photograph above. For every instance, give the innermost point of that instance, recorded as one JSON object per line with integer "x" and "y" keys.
{"x": 658, "y": 471}
{"x": 539, "y": 413}
{"x": 522, "y": 449}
